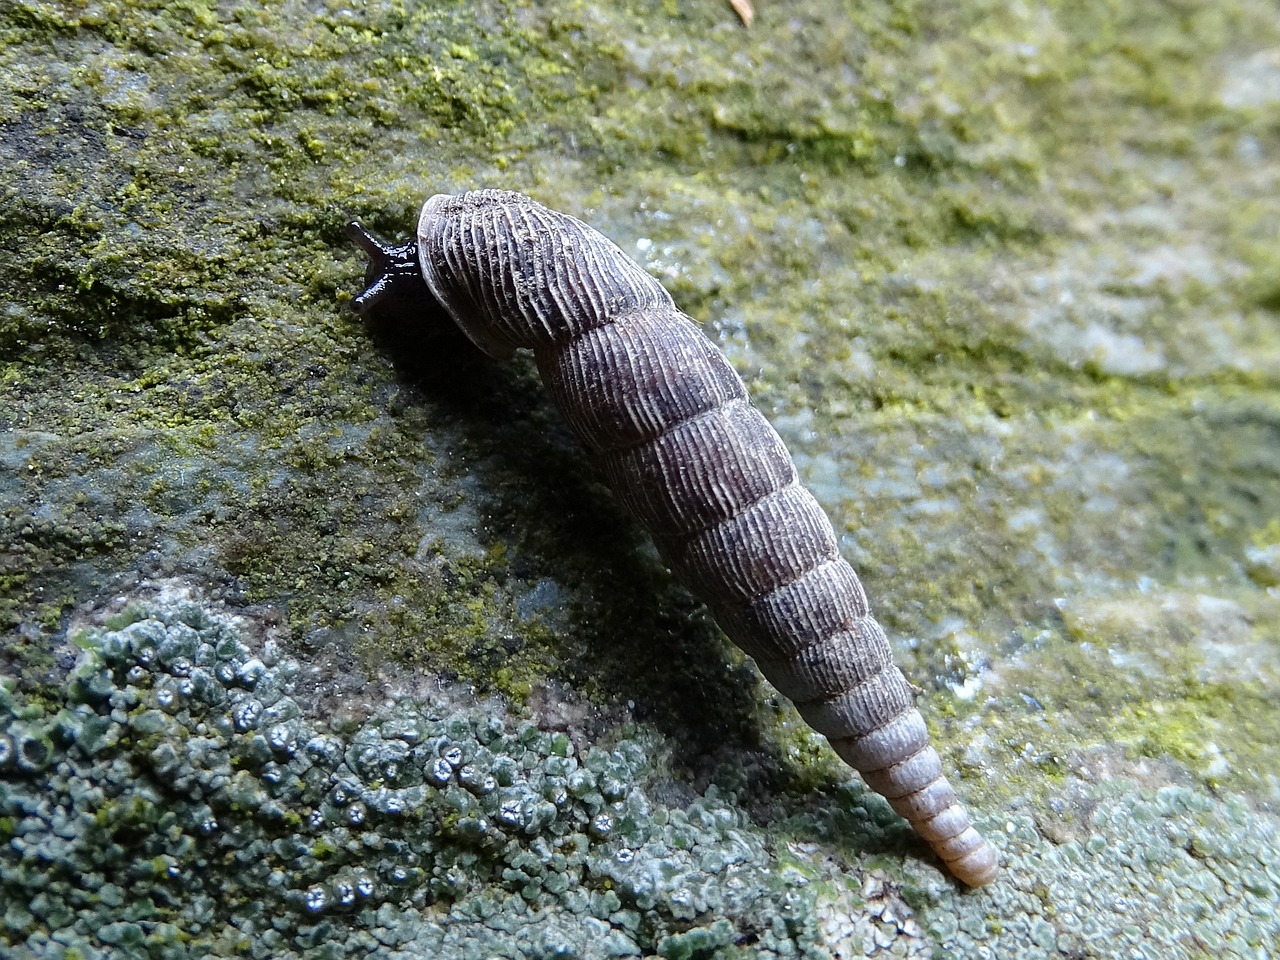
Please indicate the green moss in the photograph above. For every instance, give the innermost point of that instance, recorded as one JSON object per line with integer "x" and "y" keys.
{"x": 972, "y": 180}
{"x": 1160, "y": 675}
{"x": 1191, "y": 730}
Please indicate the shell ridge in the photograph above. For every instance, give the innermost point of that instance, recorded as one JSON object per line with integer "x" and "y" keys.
{"x": 585, "y": 269}
{"x": 800, "y": 541}
{"x": 499, "y": 252}
{"x": 725, "y": 504}
{"x": 533, "y": 232}
{"x": 823, "y": 666}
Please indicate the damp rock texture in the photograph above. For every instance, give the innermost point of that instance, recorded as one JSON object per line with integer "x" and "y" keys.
{"x": 189, "y": 795}
{"x": 1004, "y": 276}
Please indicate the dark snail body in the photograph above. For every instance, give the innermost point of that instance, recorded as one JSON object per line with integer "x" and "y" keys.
{"x": 669, "y": 421}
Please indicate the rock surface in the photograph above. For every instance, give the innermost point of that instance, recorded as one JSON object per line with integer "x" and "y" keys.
{"x": 1006, "y": 279}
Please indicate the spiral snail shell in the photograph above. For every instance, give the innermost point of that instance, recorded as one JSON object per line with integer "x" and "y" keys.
{"x": 669, "y": 421}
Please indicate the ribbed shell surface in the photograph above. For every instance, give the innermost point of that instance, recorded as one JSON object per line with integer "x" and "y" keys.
{"x": 669, "y": 421}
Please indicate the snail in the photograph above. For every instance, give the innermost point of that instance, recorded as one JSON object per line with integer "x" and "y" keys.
{"x": 668, "y": 420}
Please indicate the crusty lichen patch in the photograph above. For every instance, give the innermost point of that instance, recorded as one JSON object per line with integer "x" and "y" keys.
{"x": 195, "y": 791}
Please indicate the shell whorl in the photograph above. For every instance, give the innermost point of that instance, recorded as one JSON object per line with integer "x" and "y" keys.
{"x": 514, "y": 274}
{"x": 670, "y": 423}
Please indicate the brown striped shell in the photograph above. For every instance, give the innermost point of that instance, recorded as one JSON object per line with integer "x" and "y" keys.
{"x": 670, "y": 423}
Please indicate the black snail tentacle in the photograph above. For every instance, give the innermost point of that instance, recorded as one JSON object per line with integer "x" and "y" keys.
{"x": 393, "y": 268}
{"x": 669, "y": 422}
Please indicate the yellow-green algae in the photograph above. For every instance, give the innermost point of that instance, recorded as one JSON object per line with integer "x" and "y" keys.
{"x": 1004, "y": 276}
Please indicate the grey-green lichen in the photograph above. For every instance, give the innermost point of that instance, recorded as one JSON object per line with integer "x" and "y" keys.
{"x": 196, "y": 791}
{"x": 193, "y": 796}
